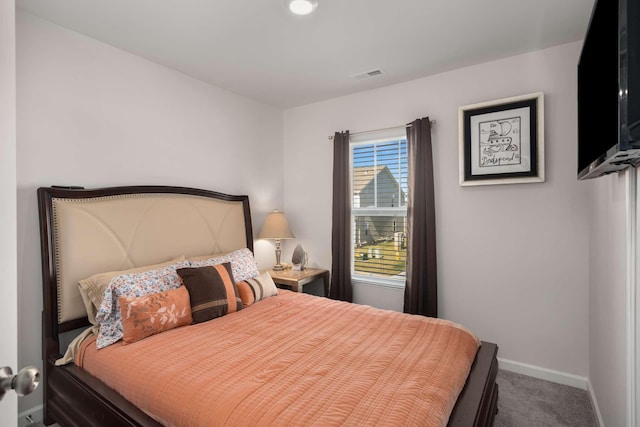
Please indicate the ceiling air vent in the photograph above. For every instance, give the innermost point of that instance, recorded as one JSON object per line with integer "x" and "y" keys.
{"x": 368, "y": 74}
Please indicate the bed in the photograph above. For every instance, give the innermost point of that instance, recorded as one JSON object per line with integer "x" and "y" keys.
{"x": 84, "y": 232}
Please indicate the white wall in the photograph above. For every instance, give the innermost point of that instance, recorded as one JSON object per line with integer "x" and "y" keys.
{"x": 607, "y": 296}
{"x": 93, "y": 115}
{"x": 511, "y": 258}
{"x": 8, "y": 263}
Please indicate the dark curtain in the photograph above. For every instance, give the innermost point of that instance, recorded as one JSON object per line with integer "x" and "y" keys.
{"x": 421, "y": 291}
{"x": 341, "y": 226}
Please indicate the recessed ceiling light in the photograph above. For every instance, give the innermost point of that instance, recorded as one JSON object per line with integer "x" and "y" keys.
{"x": 302, "y": 7}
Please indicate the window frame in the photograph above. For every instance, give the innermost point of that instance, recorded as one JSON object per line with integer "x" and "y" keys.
{"x": 370, "y": 139}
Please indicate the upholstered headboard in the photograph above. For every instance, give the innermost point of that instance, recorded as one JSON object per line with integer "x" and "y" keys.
{"x": 85, "y": 232}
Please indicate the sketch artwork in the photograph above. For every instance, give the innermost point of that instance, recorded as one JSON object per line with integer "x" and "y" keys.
{"x": 500, "y": 142}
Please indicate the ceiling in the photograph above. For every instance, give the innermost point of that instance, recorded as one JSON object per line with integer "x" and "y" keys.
{"x": 258, "y": 49}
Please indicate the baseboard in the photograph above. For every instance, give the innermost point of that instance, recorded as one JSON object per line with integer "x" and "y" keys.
{"x": 543, "y": 373}
{"x": 594, "y": 403}
{"x": 36, "y": 413}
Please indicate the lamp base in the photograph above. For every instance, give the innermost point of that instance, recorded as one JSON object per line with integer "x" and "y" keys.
{"x": 278, "y": 266}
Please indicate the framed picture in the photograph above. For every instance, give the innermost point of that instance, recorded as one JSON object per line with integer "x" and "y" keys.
{"x": 502, "y": 141}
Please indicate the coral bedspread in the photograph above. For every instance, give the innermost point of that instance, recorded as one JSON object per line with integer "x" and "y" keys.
{"x": 293, "y": 359}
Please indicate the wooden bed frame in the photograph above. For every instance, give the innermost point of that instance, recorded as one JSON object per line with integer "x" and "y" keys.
{"x": 72, "y": 397}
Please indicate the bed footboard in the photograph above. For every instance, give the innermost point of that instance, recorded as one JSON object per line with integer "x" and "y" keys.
{"x": 477, "y": 404}
{"x": 77, "y": 399}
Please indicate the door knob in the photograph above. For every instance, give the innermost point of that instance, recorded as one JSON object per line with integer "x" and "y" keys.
{"x": 23, "y": 383}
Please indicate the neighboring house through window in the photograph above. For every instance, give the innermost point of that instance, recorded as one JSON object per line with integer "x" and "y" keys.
{"x": 379, "y": 207}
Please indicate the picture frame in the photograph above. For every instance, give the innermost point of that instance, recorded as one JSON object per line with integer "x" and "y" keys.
{"x": 502, "y": 141}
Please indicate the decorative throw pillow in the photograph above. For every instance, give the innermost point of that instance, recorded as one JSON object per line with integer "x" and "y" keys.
{"x": 245, "y": 293}
{"x": 256, "y": 289}
{"x": 243, "y": 263}
{"x": 154, "y": 313}
{"x": 131, "y": 285}
{"x": 92, "y": 288}
{"x": 212, "y": 291}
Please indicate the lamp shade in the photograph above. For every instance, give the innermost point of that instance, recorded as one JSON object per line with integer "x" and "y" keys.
{"x": 276, "y": 226}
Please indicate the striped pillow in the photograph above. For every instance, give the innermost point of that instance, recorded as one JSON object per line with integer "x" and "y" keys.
{"x": 212, "y": 291}
{"x": 253, "y": 290}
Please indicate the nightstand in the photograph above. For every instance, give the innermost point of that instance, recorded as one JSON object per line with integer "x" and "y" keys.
{"x": 297, "y": 279}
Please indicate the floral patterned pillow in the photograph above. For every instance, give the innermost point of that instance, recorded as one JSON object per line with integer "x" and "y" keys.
{"x": 243, "y": 263}
{"x": 131, "y": 285}
{"x": 92, "y": 288}
{"x": 154, "y": 313}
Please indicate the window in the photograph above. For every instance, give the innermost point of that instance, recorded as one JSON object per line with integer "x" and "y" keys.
{"x": 379, "y": 208}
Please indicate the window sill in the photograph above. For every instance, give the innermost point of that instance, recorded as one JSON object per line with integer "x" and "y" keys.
{"x": 375, "y": 281}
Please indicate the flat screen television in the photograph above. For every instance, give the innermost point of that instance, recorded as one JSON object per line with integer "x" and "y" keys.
{"x": 609, "y": 90}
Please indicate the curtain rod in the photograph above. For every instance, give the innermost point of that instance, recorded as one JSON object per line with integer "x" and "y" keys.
{"x": 433, "y": 122}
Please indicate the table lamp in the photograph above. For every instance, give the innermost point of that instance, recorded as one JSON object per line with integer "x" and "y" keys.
{"x": 276, "y": 227}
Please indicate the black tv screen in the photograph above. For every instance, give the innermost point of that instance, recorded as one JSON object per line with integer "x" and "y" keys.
{"x": 608, "y": 98}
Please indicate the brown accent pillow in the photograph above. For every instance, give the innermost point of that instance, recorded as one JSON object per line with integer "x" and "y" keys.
{"x": 256, "y": 289}
{"x": 92, "y": 288}
{"x": 151, "y": 314}
{"x": 212, "y": 291}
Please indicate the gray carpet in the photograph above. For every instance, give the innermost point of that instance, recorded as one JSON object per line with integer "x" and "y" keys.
{"x": 529, "y": 402}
